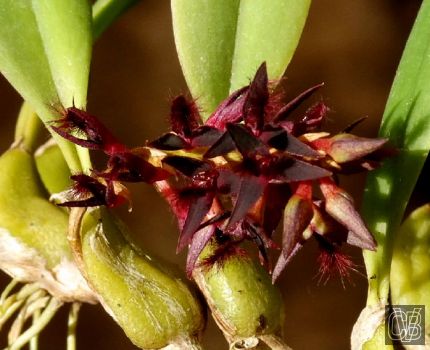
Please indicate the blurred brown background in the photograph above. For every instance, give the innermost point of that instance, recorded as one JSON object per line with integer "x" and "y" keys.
{"x": 353, "y": 46}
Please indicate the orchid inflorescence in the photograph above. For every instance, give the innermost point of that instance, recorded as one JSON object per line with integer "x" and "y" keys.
{"x": 234, "y": 177}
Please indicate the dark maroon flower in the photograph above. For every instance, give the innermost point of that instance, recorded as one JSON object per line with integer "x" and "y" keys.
{"x": 96, "y": 136}
{"x": 123, "y": 165}
{"x": 267, "y": 164}
{"x": 187, "y": 131}
{"x": 253, "y": 164}
{"x": 89, "y": 191}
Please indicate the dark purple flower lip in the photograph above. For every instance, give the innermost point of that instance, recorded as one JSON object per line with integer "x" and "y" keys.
{"x": 253, "y": 164}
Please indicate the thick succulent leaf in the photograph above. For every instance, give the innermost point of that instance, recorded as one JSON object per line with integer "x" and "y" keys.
{"x": 267, "y": 31}
{"x": 24, "y": 64}
{"x": 406, "y": 124}
{"x": 221, "y": 43}
{"x": 65, "y": 29}
{"x": 205, "y": 36}
{"x": 22, "y": 57}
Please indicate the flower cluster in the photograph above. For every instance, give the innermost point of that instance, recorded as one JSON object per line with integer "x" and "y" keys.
{"x": 237, "y": 176}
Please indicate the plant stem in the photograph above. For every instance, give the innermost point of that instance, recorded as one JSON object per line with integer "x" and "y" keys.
{"x": 71, "y": 326}
{"x": 106, "y": 11}
{"x": 28, "y": 127}
{"x": 85, "y": 158}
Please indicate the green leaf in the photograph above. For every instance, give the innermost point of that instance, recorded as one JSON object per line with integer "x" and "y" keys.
{"x": 205, "y": 34}
{"x": 220, "y": 43}
{"x": 66, "y": 30}
{"x": 406, "y": 124}
{"x": 24, "y": 64}
{"x": 22, "y": 57}
{"x": 267, "y": 30}
{"x": 106, "y": 11}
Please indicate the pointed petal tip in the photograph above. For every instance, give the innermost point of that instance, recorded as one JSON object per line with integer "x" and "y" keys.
{"x": 347, "y": 147}
{"x": 366, "y": 242}
{"x": 283, "y": 261}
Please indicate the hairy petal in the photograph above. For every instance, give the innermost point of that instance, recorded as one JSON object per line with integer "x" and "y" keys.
{"x": 184, "y": 116}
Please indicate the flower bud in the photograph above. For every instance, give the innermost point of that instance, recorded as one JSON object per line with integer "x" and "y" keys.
{"x": 347, "y": 147}
{"x": 340, "y": 206}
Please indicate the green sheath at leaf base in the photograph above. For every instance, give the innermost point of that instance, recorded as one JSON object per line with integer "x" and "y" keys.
{"x": 154, "y": 308}
{"x": 244, "y": 302}
{"x": 33, "y": 244}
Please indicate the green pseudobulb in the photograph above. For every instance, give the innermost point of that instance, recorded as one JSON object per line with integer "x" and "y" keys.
{"x": 154, "y": 308}
{"x": 26, "y": 213}
{"x": 33, "y": 232}
{"x": 242, "y": 298}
